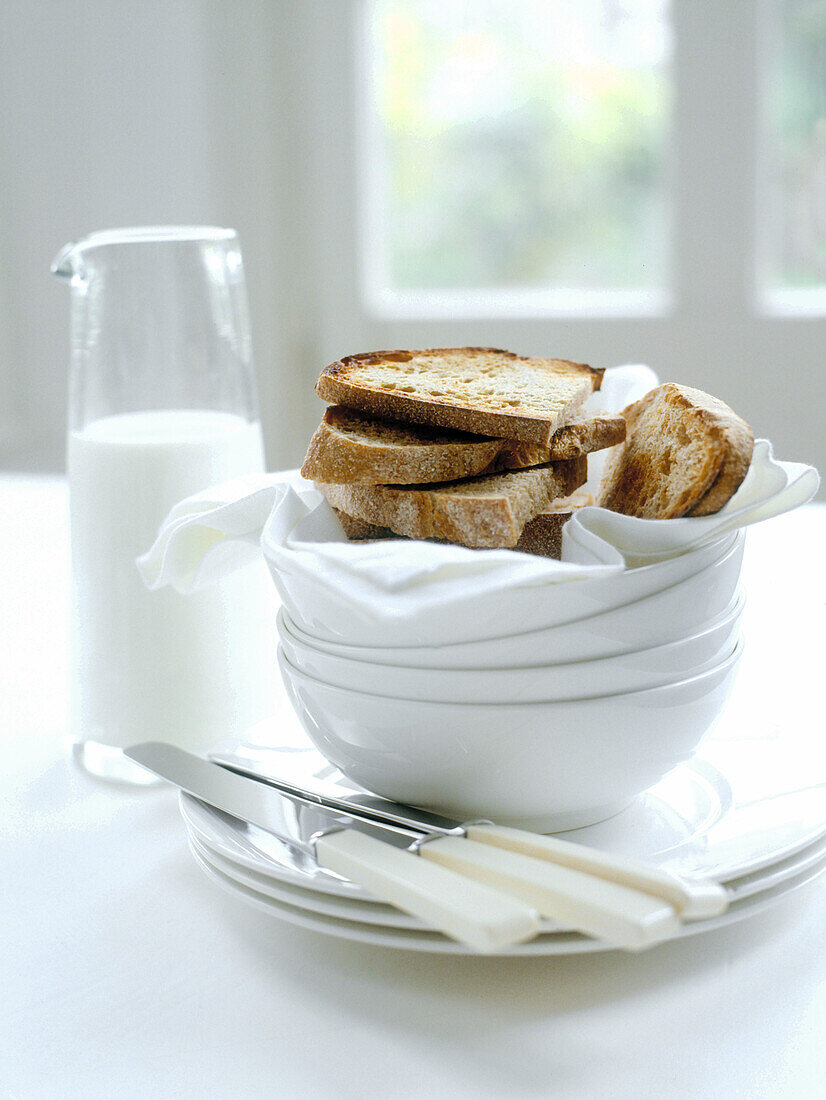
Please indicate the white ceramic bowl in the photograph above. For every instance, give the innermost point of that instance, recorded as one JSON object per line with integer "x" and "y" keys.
{"x": 329, "y": 614}
{"x": 666, "y": 616}
{"x": 635, "y": 671}
{"x": 543, "y": 766}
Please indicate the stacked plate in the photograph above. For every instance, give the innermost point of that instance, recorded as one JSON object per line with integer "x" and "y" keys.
{"x": 557, "y": 708}
{"x": 734, "y": 813}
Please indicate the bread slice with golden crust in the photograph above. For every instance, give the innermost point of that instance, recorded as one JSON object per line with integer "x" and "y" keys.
{"x": 486, "y": 511}
{"x": 576, "y": 438}
{"x": 351, "y": 448}
{"x": 487, "y": 391}
{"x": 686, "y": 454}
{"x": 359, "y": 530}
{"x": 541, "y": 535}
{"x": 735, "y": 466}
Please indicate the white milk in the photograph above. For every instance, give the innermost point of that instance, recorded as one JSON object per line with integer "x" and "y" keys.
{"x": 157, "y": 665}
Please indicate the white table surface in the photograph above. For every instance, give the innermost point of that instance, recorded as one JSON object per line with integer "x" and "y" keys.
{"x": 125, "y": 972}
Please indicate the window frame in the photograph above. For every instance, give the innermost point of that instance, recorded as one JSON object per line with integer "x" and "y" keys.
{"x": 469, "y": 304}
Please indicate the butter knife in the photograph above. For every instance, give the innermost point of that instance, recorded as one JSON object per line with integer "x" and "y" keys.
{"x": 307, "y": 775}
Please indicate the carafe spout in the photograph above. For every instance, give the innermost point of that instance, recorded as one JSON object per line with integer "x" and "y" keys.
{"x": 63, "y": 263}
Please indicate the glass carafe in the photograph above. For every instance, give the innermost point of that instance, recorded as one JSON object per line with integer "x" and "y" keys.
{"x": 162, "y": 404}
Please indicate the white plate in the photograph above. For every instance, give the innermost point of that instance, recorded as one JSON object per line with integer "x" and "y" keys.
{"x": 547, "y": 944}
{"x": 742, "y": 804}
{"x": 385, "y": 915}
{"x": 368, "y": 912}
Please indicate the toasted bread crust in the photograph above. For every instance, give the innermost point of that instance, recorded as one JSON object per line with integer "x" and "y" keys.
{"x": 447, "y": 398}
{"x": 359, "y": 530}
{"x": 541, "y": 535}
{"x": 488, "y": 511}
{"x": 350, "y": 448}
{"x": 580, "y": 437}
{"x": 736, "y": 462}
{"x": 680, "y": 441}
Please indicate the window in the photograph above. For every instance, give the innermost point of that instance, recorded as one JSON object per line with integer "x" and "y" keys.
{"x": 516, "y": 145}
{"x": 794, "y": 161}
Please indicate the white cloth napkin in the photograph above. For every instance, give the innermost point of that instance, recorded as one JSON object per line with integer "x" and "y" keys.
{"x": 770, "y": 487}
{"x": 223, "y": 528}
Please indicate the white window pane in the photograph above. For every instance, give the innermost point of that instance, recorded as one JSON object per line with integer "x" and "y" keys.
{"x": 517, "y": 144}
{"x": 796, "y": 149}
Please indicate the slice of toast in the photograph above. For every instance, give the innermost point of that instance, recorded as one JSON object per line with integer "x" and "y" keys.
{"x": 541, "y": 535}
{"x": 686, "y": 454}
{"x": 577, "y": 437}
{"x": 359, "y": 530}
{"x": 487, "y": 511}
{"x": 735, "y": 466}
{"x": 349, "y": 447}
{"x": 487, "y": 391}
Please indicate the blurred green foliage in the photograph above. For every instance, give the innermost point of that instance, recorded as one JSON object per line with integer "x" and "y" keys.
{"x": 507, "y": 167}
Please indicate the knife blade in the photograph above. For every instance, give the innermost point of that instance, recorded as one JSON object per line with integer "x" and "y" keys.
{"x": 473, "y": 913}
{"x": 307, "y": 775}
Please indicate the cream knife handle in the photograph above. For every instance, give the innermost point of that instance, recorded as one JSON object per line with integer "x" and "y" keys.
{"x": 622, "y": 916}
{"x": 692, "y": 898}
{"x": 476, "y": 915}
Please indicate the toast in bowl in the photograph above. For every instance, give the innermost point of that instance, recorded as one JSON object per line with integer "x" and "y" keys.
{"x": 486, "y": 511}
{"x": 686, "y": 453}
{"x": 487, "y": 391}
{"x": 541, "y": 535}
{"x": 350, "y": 447}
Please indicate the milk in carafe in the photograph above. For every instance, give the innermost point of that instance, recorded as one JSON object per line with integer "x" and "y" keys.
{"x": 192, "y": 668}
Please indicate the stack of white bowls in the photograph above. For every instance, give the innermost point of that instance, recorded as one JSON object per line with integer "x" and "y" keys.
{"x": 551, "y": 706}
